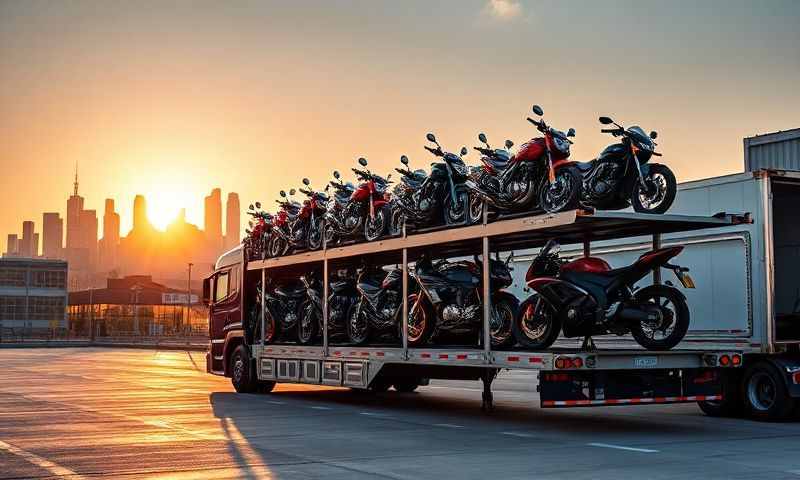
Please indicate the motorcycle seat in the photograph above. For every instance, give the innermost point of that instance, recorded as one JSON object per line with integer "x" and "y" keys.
{"x": 290, "y": 291}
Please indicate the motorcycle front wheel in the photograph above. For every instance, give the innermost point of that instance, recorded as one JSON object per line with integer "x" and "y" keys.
{"x": 563, "y": 193}
{"x": 660, "y": 191}
{"x": 277, "y": 246}
{"x": 536, "y": 326}
{"x": 308, "y": 323}
{"x": 673, "y": 323}
{"x": 420, "y": 322}
{"x": 396, "y": 221}
{"x": 504, "y": 311}
{"x": 455, "y": 211}
{"x": 375, "y": 226}
{"x": 271, "y": 327}
{"x": 314, "y": 240}
{"x": 358, "y": 324}
{"x": 476, "y": 207}
{"x": 331, "y": 237}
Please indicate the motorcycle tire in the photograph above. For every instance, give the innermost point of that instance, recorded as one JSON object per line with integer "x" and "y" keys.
{"x": 544, "y": 335}
{"x": 330, "y": 235}
{"x": 424, "y": 320}
{"x": 680, "y": 322}
{"x": 507, "y": 305}
{"x": 396, "y": 220}
{"x": 358, "y": 327}
{"x": 308, "y": 323}
{"x": 277, "y": 246}
{"x": 456, "y": 214}
{"x": 375, "y": 227}
{"x": 271, "y": 327}
{"x": 476, "y": 208}
{"x": 315, "y": 234}
{"x": 657, "y": 174}
{"x": 564, "y": 194}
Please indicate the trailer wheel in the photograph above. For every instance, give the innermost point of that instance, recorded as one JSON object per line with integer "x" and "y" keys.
{"x": 765, "y": 394}
{"x": 406, "y": 385}
{"x": 731, "y": 404}
{"x": 242, "y": 376}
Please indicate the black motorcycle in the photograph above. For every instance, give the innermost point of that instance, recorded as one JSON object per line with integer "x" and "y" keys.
{"x": 309, "y": 220}
{"x": 282, "y": 307}
{"x": 283, "y": 234}
{"x": 622, "y": 175}
{"x": 451, "y": 301}
{"x": 453, "y": 173}
{"x": 586, "y": 297}
{"x": 258, "y": 233}
{"x": 342, "y": 296}
{"x": 379, "y": 310}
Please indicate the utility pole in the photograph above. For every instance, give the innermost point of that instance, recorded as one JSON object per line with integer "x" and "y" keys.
{"x": 91, "y": 314}
{"x": 188, "y": 298}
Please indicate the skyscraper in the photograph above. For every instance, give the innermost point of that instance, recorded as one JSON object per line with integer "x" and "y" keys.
{"x": 232, "y": 221}
{"x": 27, "y": 247}
{"x": 12, "y": 247}
{"x": 213, "y": 218}
{"x": 81, "y": 251}
{"x": 110, "y": 242}
{"x": 140, "y": 221}
{"x": 52, "y": 235}
{"x": 74, "y": 209}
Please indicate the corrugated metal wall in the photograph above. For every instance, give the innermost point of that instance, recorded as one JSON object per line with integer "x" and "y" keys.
{"x": 778, "y": 151}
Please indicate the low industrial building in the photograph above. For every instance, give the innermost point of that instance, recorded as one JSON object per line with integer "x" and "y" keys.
{"x": 33, "y": 295}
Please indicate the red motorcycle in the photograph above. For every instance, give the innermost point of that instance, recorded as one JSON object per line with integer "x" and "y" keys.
{"x": 281, "y": 238}
{"x": 259, "y": 231}
{"x": 540, "y": 170}
{"x": 586, "y": 297}
{"x": 367, "y": 207}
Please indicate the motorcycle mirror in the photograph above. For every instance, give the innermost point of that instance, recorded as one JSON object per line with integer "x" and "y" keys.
{"x": 362, "y": 161}
{"x": 464, "y": 151}
{"x": 292, "y": 191}
{"x": 388, "y": 177}
{"x": 282, "y": 193}
{"x": 403, "y": 159}
{"x": 336, "y": 174}
{"x": 306, "y": 182}
{"x": 509, "y": 144}
{"x": 653, "y": 134}
{"x": 482, "y": 138}
{"x": 247, "y": 231}
{"x": 605, "y": 120}
{"x": 538, "y": 110}
{"x": 431, "y": 137}
{"x": 258, "y": 204}
{"x": 250, "y": 224}
{"x": 251, "y": 207}
{"x": 571, "y": 132}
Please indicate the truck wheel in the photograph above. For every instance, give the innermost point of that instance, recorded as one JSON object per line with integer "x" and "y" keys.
{"x": 765, "y": 394}
{"x": 242, "y": 377}
{"x": 266, "y": 386}
{"x": 406, "y": 385}
{"x": 731, "y": 404}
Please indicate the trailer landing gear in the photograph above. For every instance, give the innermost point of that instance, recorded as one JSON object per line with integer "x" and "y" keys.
{"x": 487, "y": 404}
{"x": 588, "y": 345}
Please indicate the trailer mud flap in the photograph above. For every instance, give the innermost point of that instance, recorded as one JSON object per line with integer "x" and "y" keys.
{"x": 628, "y": 387}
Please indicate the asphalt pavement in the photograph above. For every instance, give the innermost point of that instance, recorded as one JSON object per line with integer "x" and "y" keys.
{"x": 127, "y": 413}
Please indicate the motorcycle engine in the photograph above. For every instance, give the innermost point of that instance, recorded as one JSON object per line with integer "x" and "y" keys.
{"x": 486, "y": 181}
{"x": 456, "y": 314}
{"x": 605, "y": 180}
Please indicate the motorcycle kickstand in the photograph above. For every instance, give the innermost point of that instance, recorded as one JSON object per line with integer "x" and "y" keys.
{"x": 487, "y": 403}
{"x": 588, "y": 345}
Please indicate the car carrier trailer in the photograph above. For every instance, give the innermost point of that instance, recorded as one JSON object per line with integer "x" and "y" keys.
{"x": 569, "y": 377}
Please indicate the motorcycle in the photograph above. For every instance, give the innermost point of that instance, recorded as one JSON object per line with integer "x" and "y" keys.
{"x": 282, "y": 310}
{"x": 586, "y": 297}
{"x": 258, "y": 234}
{"x": 367, "y": 206}
{"x": 379, "y": 308}
{"x": 340, "y": 300}
{"x": 282, "y": 232}
{"x": 622, "y": 175}
{"x": 450, "y": 301}
{"x": 538, "y": 175}
{"x": 456, "y": 196}
{"x": 310, "y": 218}
{"x": 417, "y": 200}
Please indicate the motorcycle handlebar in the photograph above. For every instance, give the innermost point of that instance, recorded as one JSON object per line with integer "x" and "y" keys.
{"x": 436, "y": 151}
{"x": 609, "y": 130}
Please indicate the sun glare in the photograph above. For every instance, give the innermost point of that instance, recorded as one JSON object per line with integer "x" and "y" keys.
{"x": 164, "y": 205}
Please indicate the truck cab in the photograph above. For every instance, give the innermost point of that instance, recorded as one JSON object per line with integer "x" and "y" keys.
{"x": 222, "y": 292}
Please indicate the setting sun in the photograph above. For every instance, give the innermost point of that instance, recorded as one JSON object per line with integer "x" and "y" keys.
{"x": 165, "y": 201}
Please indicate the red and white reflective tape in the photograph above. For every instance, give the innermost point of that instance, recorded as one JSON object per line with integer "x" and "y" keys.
{"x": 629, "y": 401}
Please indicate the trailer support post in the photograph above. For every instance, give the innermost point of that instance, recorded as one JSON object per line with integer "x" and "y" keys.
{"x": 325, "y": 308}
{"x": 487, "y": 301}
{"x": 587, "y": 247}
{"x": 487, "y": 399}
{"x": 404, "y": 318}
{"x": 656, "y": 270}
{"x": 263, "y": 299}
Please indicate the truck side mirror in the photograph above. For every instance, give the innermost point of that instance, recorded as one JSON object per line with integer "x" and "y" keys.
{"x": 207, "y": 291}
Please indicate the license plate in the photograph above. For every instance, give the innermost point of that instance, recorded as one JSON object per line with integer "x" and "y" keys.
{"x": 685, "y": 279}
{"x": 645, "y": 362}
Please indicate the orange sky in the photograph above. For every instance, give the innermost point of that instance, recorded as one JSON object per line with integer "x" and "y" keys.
{"x": 170, "y": 99}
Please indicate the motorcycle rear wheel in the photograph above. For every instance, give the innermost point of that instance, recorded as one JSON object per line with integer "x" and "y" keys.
{"x": 358, "y": 324}
{"x": 504, "y": 309}
{"x": 564, "y": 193}
{"x": 271, "y": 327}
{"x": 662, "y": 190}
{"x": 308, "y": 323}
{"x": 536, "y": 325}
{"x": 663, "y": 296}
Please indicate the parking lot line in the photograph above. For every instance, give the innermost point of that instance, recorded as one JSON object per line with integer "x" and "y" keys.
{"x": 621, "y": 447}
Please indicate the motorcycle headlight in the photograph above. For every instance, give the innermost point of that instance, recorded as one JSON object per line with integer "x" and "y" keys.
{"x": 460, "y": 169}
{"x": 562, "y": 145}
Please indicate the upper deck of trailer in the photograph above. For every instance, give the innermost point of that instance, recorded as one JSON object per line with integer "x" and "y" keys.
{"x": 517, "y": 232}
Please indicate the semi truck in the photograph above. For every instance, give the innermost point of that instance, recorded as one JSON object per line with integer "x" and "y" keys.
{"x": 740, "y": 357}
